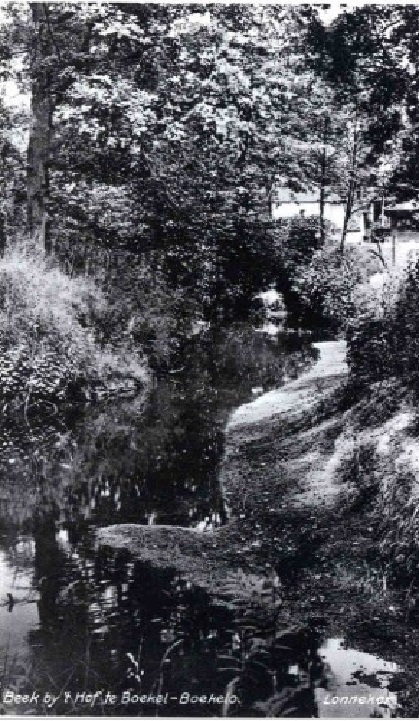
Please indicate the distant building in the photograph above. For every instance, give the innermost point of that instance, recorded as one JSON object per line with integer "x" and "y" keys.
{"x": 385, "y": 218}
{"x": 288, "y": 204}
{"x": 402, "y": 216}
{"x": 377, "y": 218}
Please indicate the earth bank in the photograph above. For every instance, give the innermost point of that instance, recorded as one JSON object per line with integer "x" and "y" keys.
{"x": 311, "y": 476}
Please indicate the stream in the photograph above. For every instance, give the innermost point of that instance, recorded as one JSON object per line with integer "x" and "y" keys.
{"x": 88, "y": 630}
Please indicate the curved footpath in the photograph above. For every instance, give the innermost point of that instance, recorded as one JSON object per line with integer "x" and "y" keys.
{"x": 299, "y": 395}
{"x": 285, "y": 430}
{"x": 279, "y": 456}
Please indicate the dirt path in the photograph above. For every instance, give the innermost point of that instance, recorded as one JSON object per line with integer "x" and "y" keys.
{"x": 269, "y": 452}
{"x": 299, "y": 395}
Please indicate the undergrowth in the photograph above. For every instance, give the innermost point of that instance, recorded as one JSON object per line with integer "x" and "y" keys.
{"x": 378, "y": 464}
{"x": 49, "y": 350}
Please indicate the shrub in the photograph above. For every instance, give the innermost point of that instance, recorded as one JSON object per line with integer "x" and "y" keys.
{"x": 383, "y": 339}
{"x": 48, "y": 346}
{"x": 297, "y": 239}
{"x": 328, "y": 285}
{"x": 404, "y": 328}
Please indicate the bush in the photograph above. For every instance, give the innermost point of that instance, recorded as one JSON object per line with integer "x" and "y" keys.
{"x": 48, "y": 347}
{"x": 298, "y": 238}
{"x": 154, "y": 316}
{"x": 370, "y": 353}
{"x": 327, "y": 286}
{"x": 383, "y": 340}
{"x": 403, "y": 325}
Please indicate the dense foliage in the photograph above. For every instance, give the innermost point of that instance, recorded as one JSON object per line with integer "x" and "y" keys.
{"x": 156, "y": 136}
{"x": 328, "y": 287}
{"x": 383, "y": 342}
{"x": 49, "y": 352}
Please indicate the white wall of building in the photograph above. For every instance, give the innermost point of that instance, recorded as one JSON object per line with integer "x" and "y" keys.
{"x": 333, "y": 212}
{"x": 288, "y": 210}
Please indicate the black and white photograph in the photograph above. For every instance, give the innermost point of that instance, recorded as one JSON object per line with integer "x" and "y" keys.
{"x": 209, "y": 360}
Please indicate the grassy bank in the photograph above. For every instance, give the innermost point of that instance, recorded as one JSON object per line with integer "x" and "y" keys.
{"x": 50, "y": 352}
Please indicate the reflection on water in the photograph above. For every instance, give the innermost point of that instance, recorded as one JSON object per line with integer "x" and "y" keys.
{"x": 153, "y": 462}
{"x": 75, "y": 619}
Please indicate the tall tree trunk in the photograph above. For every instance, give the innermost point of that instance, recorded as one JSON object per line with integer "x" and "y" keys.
{"x": 40, "y": 130}
{"x": 352, "y": 183}
{"x": 323, "y": 167}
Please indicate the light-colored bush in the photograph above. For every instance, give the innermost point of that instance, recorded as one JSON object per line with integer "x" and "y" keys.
{"x": 47, "y": 335}
{"x": 331, "y": 282}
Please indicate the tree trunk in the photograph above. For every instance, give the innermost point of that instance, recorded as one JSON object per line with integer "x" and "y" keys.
{"x": 40, "y": 130}
{"x": 348, "y": 213}
{"x": 269, "y": 197}
{"x": 323, "y": 166}
{"x": 352, "y": 183}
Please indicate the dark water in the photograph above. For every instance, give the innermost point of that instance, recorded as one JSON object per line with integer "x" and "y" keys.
{"x": 85, "y": 620}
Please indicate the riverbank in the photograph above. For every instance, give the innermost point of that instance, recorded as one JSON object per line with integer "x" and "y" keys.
{"x": 304, "y": 470}
{"x": 276, "y": 460}
{"x": 285, "y": 429}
